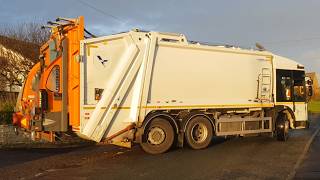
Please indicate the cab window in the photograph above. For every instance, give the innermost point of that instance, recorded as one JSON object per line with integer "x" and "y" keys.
{"x": 290, "y": 86}
{"x": 299, "y": 86}
{"x": 284, "y": 86}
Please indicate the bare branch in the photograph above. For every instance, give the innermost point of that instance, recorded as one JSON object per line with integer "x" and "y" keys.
{"x": 19, "y": 51}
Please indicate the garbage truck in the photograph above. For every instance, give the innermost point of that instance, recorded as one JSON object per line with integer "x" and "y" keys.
{"x": 157, "y": 89}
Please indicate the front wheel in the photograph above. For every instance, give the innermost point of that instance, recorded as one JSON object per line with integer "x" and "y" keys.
{"x": 282, "y": 127}
{"x": 199, "y": 132}
{"x": 307, "y": 126}
{"x": 158, "y": 136}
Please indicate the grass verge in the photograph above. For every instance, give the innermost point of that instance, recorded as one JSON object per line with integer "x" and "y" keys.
{"x": 314, "y": 106}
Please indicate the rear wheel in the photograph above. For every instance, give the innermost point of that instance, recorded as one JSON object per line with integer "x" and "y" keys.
{"x": 282, "y": 127}
{"x": 199, "y": 132}
{"x": 158, "y": 136}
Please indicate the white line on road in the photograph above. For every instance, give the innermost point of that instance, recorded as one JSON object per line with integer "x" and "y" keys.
{"x": 303, "y": 155}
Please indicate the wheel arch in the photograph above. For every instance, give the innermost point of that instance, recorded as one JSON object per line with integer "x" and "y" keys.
{"x": 195, "y": 114}
{"x": 165, "y": 115}
{"x": 289, "y": 112}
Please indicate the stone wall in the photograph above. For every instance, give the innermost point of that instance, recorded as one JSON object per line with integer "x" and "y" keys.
{"x": 9, "y": 139}
{"x": 8, "y": 136}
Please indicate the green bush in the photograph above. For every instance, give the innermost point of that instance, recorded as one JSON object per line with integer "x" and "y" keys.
{"x": 6, "y": 111}
{"x": 314, "y": 106}
{"x": 7, "y": 107}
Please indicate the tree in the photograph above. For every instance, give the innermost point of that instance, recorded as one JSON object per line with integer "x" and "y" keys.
{"x": 19, "y": 51}
{"x": 28, "y": 32}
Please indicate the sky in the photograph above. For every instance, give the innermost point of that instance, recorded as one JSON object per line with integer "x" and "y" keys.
{"x": 289, "y": 28}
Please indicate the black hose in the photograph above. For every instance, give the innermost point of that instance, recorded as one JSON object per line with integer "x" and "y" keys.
{"x": 92, "y": 35}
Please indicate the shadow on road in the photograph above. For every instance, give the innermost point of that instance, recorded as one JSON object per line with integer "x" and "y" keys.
{"x": 10, "y": 157}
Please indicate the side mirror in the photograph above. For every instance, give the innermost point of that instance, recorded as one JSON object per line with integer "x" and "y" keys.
{"x": 310, "y": 91}
{"x": 309, "y": 86}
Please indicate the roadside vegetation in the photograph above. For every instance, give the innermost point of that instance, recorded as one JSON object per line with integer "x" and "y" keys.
{"x": 6, "y": 110}
{"x": 314, "y": 106}
{"x": 19, "y": 51}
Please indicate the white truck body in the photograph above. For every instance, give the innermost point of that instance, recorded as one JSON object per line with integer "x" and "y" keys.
{"x": 142, "y": 72}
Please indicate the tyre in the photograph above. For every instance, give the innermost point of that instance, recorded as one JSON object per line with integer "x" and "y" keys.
{"x": 199, "y": 132}
{"x": 307, "y": 124}
{"x": 282, "y": 127}
{"x": 158, "y": 136}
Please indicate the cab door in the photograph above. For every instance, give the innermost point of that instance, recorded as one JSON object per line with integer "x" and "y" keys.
{"x": 299, "y": 96}
{"x": 291, "y": 92}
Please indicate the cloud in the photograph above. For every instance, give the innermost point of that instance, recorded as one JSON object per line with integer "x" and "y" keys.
{"x": 106, "y": 29}
{"x": 240, "y": 22}
{"x": 311, "y": 58}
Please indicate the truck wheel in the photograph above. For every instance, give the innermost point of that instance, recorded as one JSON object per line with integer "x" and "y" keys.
{"x": 158, "y": 136}
{"x": 282, "y": 127}
{"x": 307, "y": 124}
{"x": 198, "y": 132}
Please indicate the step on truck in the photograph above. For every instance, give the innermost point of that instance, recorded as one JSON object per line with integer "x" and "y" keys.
{"x": 157, "y": 89}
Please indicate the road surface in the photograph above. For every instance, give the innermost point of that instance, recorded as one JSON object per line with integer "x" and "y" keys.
{"x": 234, "y": 158}
{"x": 310, "y": 168}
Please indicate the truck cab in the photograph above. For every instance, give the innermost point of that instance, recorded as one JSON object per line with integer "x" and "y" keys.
{"x": 292, "y": 90}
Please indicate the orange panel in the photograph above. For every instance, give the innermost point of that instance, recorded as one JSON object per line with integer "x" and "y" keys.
{"x": 74, "y": 37}
{"x": 74, "y": 33}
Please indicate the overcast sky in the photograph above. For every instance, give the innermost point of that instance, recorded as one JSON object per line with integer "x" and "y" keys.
{"x": 290, "y": 28}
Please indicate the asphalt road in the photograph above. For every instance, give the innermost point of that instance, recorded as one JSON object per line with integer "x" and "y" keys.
{"x": 310, "y": 168}
{"x": 234, "y": 158}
